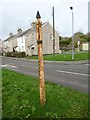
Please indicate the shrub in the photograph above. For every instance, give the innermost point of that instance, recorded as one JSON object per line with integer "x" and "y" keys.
{"x": 76, "y": 45}
{"x": 15, "y": 54}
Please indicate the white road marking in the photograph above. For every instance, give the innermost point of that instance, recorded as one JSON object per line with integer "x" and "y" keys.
{"x": 7, "y": 65}
{"x": 72, "y": 73}
{"x": 13, "y": 66}
{"x": 3, "y": 65}
{"x": 30, "y": 66}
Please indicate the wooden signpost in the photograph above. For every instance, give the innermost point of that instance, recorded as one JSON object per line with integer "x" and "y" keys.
{"x": 40, "y": 58}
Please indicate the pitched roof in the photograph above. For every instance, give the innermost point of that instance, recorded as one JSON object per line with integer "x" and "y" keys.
{"x": 24, "y": 32}
{"x": 9, "y": 38}
{"x": 17, "y": 35}
{"x": 44, "y": 24}
{"x": 31, "y": 30}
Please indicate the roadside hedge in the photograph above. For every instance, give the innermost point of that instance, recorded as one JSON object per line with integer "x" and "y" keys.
{"x": 15, "y": 54}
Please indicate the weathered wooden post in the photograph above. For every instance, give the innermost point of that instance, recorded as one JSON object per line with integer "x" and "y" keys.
{"x": 40, "y": 58}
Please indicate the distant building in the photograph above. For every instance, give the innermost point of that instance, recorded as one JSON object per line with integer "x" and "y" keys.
{"x": 85, "y": 46}
{"x": 25, "y": 41}
{"x": 10, "y": 43}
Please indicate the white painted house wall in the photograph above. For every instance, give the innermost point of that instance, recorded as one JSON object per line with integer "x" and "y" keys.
{"x": 6, "y": 44}
{"x": 21, "y": 44}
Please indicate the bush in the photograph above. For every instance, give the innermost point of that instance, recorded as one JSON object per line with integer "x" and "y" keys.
{"x": 76, "y": 45}
{"x": 65, "y": 42}
{"x": 23, "y": 54}
{"x": 15, "y": 54}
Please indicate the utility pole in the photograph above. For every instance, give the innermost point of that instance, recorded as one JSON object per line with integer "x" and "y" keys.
{"x": 53, "y": 33}
{"x": 40, "y": 59}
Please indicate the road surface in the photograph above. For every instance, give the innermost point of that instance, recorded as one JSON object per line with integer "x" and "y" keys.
{"x": 71, "y": 75}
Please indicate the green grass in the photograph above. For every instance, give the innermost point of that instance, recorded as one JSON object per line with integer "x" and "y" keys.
{"x": 64, "y": 57}
{"x": 0, "y": 93}
{"x": 21, "y": 99}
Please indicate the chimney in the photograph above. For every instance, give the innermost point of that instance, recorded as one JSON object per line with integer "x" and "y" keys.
{"x": 10, "y": 34}
{"x": 33, "y": 25}
{"x": 19, "y": 30}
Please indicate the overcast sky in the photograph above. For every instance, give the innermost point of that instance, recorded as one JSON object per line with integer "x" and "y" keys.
{"x": 20, "y": 13}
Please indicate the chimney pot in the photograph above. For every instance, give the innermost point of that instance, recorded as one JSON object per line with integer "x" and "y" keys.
{"x": 33, "y": 25}
{"x": 19, "y": 30}
{"x": 10, "y": 34}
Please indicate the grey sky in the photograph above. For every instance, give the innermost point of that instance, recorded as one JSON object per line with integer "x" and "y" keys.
{"x": 20, "y": 13}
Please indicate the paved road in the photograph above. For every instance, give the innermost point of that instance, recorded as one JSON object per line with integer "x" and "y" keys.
{"x": 72, "y": 75}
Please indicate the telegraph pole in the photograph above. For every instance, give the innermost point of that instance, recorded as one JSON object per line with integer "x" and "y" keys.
{"x": 40, "y": 59}
{"x": 53, "y": 33}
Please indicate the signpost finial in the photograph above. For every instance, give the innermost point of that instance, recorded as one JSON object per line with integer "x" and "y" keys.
{"x": 38, "y": 15}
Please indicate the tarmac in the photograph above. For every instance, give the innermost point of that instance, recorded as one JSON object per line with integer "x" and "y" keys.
{"x": 46, "y": 61}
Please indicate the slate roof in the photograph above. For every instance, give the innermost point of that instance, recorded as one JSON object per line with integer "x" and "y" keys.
{"x": 9, "y": 38}
{"x": 24, "y": 32}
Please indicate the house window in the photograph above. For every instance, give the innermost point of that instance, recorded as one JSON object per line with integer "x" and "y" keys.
{"x": 33, "y": 36}
{"x": 22, "y": 48}
{"x": 51, "y": 38}
{"x": 27, "y": 36}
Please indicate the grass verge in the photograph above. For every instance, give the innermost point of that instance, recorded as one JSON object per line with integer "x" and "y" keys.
{"x": 64, "y": 57}
{"x": 21, "y": 99}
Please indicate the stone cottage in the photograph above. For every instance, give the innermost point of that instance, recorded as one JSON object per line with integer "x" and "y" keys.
{"x": 25, "y": 41}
